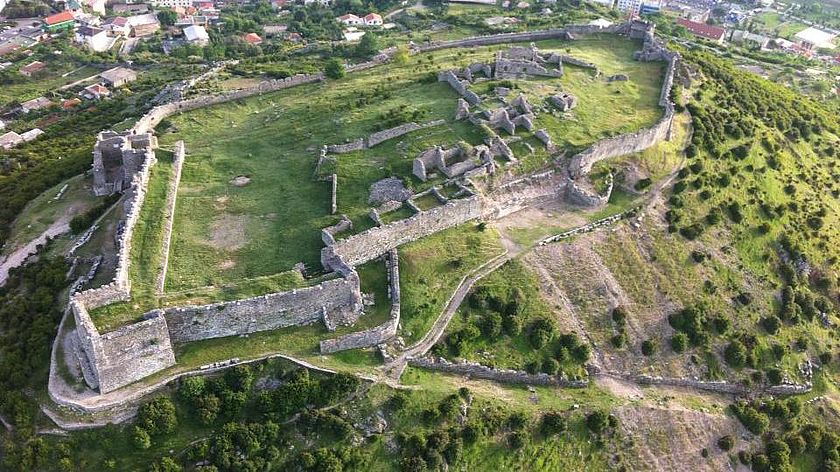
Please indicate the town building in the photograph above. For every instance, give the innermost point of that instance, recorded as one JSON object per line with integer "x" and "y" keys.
{"x": 350, "y": 20}
{"x": 32, "y": 68}
{"x": 35, "y": 104}
{"x": 372, "y": 19}
{"x": 650, "y": 7}
{"x": 95, "y": 92}
{"x": 116, "y": 26}
{"x": 31, "y": 135}
{"x": 143, "y": 25}
{"x": 630, "y": 7}
{"x": 813, "y": 38}
{"x": 196, "y": 35}
{"x": 710, "y": 32}
{"x": 10, "y": 140}
{"x": 118, "y": 76}
{"x": 95, "y": 39}
{"x": 749, "y": 39}
{"x": 69, "y": 103}
{"x": 172, "y": 3}
{"x": 59, "y": 22}
{"x": 95, "y": 6}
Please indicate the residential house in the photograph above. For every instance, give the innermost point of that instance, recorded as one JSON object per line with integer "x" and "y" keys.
{"x": 118, "y": 76}
{"x": 116, "y": 26}
{"x": 749, "y": 39}
{"x": 252, "y": 39}
{"x": 171, "y": 3}
{"x": 95, "y": 92}
{"x": 712, "y": 33}
{"x": 143, "y": 25}
{"x": 10, "y": 140}
{"x": 323, "y": 3}
{"x": 59, "y": 22}
{"x": 32, "y": 68}
{"x": 350, "y": 20}
{"x": 196, "y": 35}
{"x": 629, "y": 7}
{"x": 95, "y": 39}
{"x": 273, "y": 30}
{"x": 372, "y": 19}
{"x": 292, "y": 36}
{"x": 35, "y": 104}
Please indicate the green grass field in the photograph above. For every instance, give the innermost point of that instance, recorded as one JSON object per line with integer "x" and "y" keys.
{"x": 225, "y": 232}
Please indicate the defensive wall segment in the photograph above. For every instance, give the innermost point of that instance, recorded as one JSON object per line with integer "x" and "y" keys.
{"x": 130, "y": 353}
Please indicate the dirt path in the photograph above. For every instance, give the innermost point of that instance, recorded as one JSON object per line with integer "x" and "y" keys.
{"x": 395, "y": 368}
{"x": 19, "y": 256}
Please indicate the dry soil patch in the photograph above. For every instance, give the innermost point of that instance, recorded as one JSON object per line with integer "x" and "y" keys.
{"x": 228, "y": 232}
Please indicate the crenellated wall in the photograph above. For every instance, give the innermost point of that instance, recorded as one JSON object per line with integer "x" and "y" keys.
{"x": 368, "y": 245}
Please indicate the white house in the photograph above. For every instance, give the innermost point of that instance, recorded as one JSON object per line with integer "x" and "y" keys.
{"x": 372, "y": 19}
{"x": 31, "y": 134}
{"x": 96, "y": 6}
{"x": 351, "y": 20}
{"x": 96, "y": 39}
{"x": 197, "y": 35}
{"x": 811, "y": 38}
{"x": 117, "y": 26}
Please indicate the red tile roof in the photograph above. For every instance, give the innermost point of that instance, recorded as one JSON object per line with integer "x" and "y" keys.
{"x": 252, "y": 38}
{"x": 59, "y": 18}
{"x": 702, "y": 29}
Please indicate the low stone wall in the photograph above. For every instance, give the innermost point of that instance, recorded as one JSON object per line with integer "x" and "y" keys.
{"x": 169, "y": 209}
{"x": 567, "y": 32}
{"x": 370, "y": 244}
{"x": 378, "y": 334}
{"x": 335, "y": 302}
{"x": 479, "y": 371}
{"x": 398, "y": 131}
{"x": 449, "y": 77}
{"x": 356, "y": 145}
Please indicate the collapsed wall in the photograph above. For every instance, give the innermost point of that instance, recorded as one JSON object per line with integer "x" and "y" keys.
{"x": 370, "y": 244}
{"x": 335, "y": 302}
{"x": 522, "y": 193}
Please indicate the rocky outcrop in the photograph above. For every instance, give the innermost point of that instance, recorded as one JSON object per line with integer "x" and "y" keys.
{"x": 563, "y": 102}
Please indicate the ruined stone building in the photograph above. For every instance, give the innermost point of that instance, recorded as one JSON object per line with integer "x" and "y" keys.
{"x": 117, "y": 157}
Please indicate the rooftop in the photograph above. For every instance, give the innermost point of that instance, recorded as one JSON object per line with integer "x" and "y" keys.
{"x": 702, "y": 29}
{"x": 59, "y": 18}
{"x": 818, "y": 38}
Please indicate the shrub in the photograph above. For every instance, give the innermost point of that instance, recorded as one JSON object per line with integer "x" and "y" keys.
{"x": 649, "y": 347}
{"x": 158, "y": 417}
{"x": 679, "y": 342}
{"x": 334, "y": 69}
{"x": 491, "y": 325}
{"x": 752, "y": 419}
{"x": 597, "y": 421}
{"x": 619, "y": 340}
{"x": 619, "y": 316}
{"x": 774, "y": 376}
{"x": 541, "y": 333}
{"x": 550, "y": 366}
{"x": 552, "y": 423}
{"x": 642, "y": 184}
{"x": 771, "y": 324}
{"x": 141, "y": 439}
{"x": 726, "y": 443}
{"x": 735, "y": 354}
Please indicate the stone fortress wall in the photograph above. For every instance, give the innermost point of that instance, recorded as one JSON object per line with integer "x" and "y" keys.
{"x": 370, "y": 244}
{"x": 380, "y": 136}
{"x": 135, "y": 351}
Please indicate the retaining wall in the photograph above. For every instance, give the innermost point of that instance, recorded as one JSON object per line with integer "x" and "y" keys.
{"x": 169, "y": 219}
{"x": 504, "y": 376}
{"x": 370, "y": 244}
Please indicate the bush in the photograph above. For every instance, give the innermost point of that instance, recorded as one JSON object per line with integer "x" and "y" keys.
{"x": 552, "y": 423}
{"x": 619, "y": 316}
{"x": 726, "y": 443}
{"x": 649, "y": 347}
{"x": 735, "y": 354}
{"x": 158, "y": 417}
{"x": 774, "y": 376}
{"x": 541, "y": 333}
{"x": 771, "y": 324}
{"x": 598, "y": 421}
{"x": 679, "y": 342}
{"x": 752, "y": 419}
{"x": 334, "y": 69}
{"x": 491, "y": 325}
{"x": 550, "y": 366}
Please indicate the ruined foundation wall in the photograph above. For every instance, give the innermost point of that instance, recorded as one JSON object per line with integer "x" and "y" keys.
{"x": 567, "y": 32}
{"x": 378, "y": 334}
{"x": 522, "y": 193}
{"x": 479, "y": 371}
{"x": 370, "y": 244}
{"x": 133, "y": 352}
{"x": 264, "y": 313}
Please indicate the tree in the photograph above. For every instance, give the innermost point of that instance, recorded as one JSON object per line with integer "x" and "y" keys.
{"x": 726, "y": 443}
{"x": 158, "y": 416}
{"x": 401, "y": 57}
{"x": 541, "y": 333}
{"x": 334, "y": 68}
{"x": 141, "y": 439}
{"x": 552, "y": 423}
{"x": 167, "y": 17}
{"x": 491, "y": 325}
{"x": 368, "y": 46}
